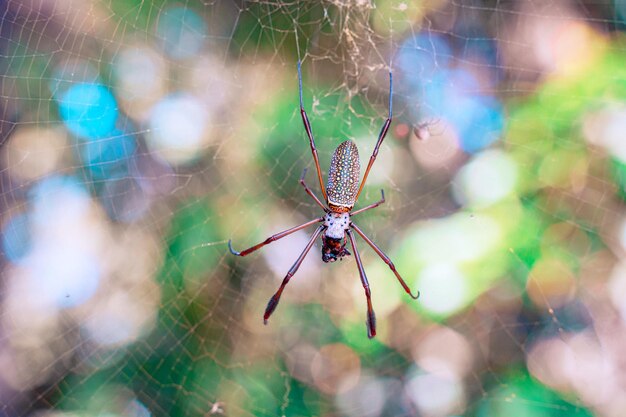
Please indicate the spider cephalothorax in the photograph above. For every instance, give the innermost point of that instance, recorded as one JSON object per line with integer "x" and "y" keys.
{"x": 334, "y": 237}
{"x": 341, "y": 195}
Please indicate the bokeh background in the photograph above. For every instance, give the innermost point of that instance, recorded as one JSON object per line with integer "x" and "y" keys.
{"x": 138, "y": 136}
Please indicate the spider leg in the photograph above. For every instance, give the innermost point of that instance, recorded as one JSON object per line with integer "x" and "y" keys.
{"x": 371, "y": 206}
{"x": 371, "y": 317}
{"x": 386, "y": 259}
{"x": 381, "y": 137}
{"x": 309, "y": 192}
{"x": 272, "y": 238}
{"x": 309, "y": 133}
{"x": 271, "y": 305}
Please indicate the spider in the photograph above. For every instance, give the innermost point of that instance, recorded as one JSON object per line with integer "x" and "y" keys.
{"x": 341, "y": 194}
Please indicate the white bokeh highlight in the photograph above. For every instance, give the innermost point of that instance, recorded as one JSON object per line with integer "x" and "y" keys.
{"x": 446, "y": 287}
{"x": 488, "y": 178}
{"x": 436, "y": 395}
{"x": 179, "y": 129}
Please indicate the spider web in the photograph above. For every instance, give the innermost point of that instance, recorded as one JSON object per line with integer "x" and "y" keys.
{"x": 138, "y": 137}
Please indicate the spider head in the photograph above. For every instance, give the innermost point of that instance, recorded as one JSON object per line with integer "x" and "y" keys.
{"x": 333, "y": 249}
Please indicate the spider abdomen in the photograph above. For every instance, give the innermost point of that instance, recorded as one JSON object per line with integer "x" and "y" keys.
{"x": 343, "y": 177}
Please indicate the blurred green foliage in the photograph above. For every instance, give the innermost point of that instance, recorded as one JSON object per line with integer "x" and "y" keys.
{"x": 516, "y": 394}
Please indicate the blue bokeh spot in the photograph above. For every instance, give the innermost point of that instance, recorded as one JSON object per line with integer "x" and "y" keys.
{"x": 485, "y": 126}
{"x": 454, "y": 95}
{"x": 422, "y": 56}
{"x": 108, "y": 157}
{"x": 16, "y": 238}
{"x": 88, "y": 110}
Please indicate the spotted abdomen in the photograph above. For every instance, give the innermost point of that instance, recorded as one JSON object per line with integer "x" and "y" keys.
{"x": 343, "y": 177}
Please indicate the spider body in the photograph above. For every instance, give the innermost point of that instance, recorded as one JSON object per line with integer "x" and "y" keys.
{"x": 341, "y": 194}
